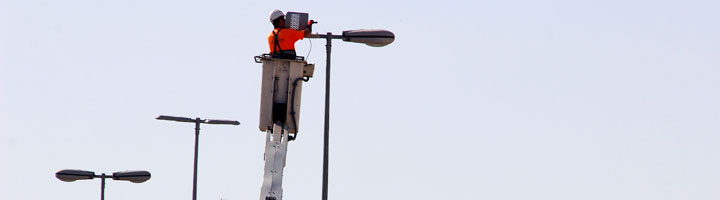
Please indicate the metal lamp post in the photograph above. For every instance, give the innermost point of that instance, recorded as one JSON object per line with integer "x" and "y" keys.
{"x": 197, "y": 122}
{"x": 70, "y": 175}
{"x": 370, "y": 37}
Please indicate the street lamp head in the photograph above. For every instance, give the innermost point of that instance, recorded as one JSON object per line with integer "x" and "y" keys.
{"x": 70, "y": 175}
{"x": 197, "y": 120}
{"x": 173, "y": 118}
{"x": 132, "y": 176}
{"x": 220, "y": 121}
{"x": 370, "y": 37}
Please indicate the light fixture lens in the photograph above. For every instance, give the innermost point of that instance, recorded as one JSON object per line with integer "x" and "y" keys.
{"x": 70, "y": 175}
{"x": 132, "y": 176}
{"x": 370, "y": 37}
{"x": 173, "y": 118}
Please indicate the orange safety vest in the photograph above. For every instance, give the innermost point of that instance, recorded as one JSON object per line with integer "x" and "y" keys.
{"x": 285, "y": 37}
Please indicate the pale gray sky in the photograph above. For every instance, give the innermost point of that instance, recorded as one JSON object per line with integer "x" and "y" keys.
{"x": 556, "y": 100}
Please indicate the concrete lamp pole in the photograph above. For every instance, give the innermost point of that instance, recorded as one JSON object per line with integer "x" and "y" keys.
{"x": 197, "y": 122}
{"x": 70, "y": 175}
{"x": 370, "y": 37}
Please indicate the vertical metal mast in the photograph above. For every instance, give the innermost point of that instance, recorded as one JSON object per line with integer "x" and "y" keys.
{"x": 326, "y": 141}
{"x": 195, "y": 168}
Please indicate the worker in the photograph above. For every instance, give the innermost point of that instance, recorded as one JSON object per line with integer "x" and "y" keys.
{"x": 282, "y": 40}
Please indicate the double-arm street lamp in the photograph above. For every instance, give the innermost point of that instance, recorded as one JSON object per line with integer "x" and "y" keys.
{"x": 70, "y": 175}
{"x": 370, "y": 37}
{"x": 197, "y": 122}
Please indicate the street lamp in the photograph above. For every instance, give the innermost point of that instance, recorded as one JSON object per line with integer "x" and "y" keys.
{"x": 370, "y": 37}
{"x": 70, "y": 175}
{"x": 197, "y": 122}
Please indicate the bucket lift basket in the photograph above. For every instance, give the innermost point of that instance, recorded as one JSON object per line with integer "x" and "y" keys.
{"x": 281, "y": 90}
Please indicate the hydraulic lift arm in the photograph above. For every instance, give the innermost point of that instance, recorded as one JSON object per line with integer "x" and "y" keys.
{"x": 276, "y": 142}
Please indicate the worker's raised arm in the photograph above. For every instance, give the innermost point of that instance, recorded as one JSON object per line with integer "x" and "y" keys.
{"x": 308, "y": 29}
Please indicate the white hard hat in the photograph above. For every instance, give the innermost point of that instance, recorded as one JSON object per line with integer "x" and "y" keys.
{"x": 274, "y": 14}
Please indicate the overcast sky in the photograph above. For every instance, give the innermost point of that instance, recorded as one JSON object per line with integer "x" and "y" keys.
{"x": 516, "y": 100}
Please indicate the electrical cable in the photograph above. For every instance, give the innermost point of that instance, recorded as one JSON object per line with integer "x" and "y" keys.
{"x": 309, "y": 50}
{"x": 292, "y": 105}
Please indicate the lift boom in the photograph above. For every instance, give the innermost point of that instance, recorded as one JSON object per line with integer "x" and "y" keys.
{"x": 276, "y": 142}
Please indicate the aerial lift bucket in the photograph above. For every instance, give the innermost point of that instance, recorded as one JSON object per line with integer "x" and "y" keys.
{"x": 281, "y": 90}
